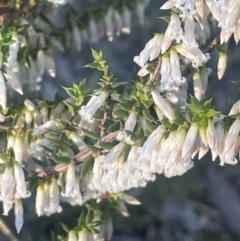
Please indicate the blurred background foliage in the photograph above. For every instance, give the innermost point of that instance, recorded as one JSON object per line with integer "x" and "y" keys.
{"x": 204, "y": 204}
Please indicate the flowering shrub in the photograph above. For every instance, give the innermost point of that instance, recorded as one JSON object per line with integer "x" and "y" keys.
{"x": 151, "y": 127}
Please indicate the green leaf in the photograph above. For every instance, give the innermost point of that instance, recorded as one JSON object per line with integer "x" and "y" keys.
{"x": 196, "y": 118}
{"x": 147, "y": 115}
{"x": 62, "y": 159}
{"x": 204, "y": 122}
{"x": 88, "y": 217}
{"x": 65, "y": 227}
{"x": 93, "y": 149}
{"x": 173, "y": 127}
{"x": 212, "y": 113}
{"x": 90, "y": 134}
{"x": 126, "y": 106}
{"x": 165, "y": 122}
{"x": 81, "y": 219}
{"x": 207, "y": 104}
{"x": 40, "y": 163}
{"x": 86, "y": 166}
{"x": 195, "y": 101}
{"x": 120, "y": 113}
{"x": 165, "y": 18}
{"x": 237, "y": 83}
{"x": 125, "y": 152}
{"x": 107, "y": 145}
{"x": 62, "y": 181}
{"x": 114, "y": 127}
{"x": 93, "y": 65}
{"x": 32, "y": 184}
{"x": 179, "y": 121}
{"x": 116, "y": 84}
{"x": 96, "y": 55}
{"x": 195, "y": 108}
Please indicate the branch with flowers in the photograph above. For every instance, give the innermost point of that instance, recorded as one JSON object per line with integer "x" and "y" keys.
{"x": 94, "y": 145}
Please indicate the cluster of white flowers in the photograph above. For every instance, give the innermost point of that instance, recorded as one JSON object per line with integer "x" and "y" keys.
{"x": 171, "y": 155}
{"x": 13, "y": 187}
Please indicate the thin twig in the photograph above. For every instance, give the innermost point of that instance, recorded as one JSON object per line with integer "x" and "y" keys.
{"x": 156, "y": 71}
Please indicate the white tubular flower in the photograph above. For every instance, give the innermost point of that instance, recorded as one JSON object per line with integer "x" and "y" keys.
{"x": 3, "y": 91}
{"x": 10, "y": 142}
{"x": 13, "y": 51}
{"x": 87, "y": 112}
{"x": 29, "y": 105}
{"x": 40, "y": 62}
{"x": 114, "y": 153}
{"x": 232, "y": 135}
{"x": 211, "y": 134}
{"x": 189, "y": 39}
{"x": 165, "y": 74}
{"x": 39, "y": 206}
{"x": 130, "y": 199}
{"x": 175, "y": 68}
{"x": 189, "y": 140}
{"x": 235, "y": 108}
{"x": 49, "y": 65}
{"x": 151, "y": 51}
{"x": 18, "y": 149}
{"x": 18, "y": 211}
{"x": 52, "y": 124}
{"x": 197, "y": 85}
{"x": 13, "y": 81}
{"x": 7, "y": 205}
{"x": 131, "y": 121}
{"x": 7, "y": 185}
{"x": 222, "y": 64}
{"x": 70, "y": 180}
{"x": 72, "y": 236}
{"x": 77, "y": 38}
{"x": 123, "y": 209}
{"x": 82, "y": 235}
{"x": 173, "y": 32}
{"x": 126, "y": 21}
{"x": 161, "y": 103}
{"x": 54, "y": 197}
{"x": 108, "y": 232}
{"x": 168, "y": 5}
{"x": 140, "y": 12}
{"x": 21, "y": 188}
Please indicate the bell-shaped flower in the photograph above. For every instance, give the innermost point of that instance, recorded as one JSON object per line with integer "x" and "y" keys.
{"x": 13, "y": 81}
{"x": 29, "y": 105}
{"x": 82, "y": 235}
{"x": 18, "y": 211}
{"x": 7, "y": 185}
{"x": 72, "y": 236}
{"x": 189, "y": 140}
{"x": 52, "y": 125}
{"x": 70, "y": 180}
{"x": 54, "y": 196}
{"x": 39, "y": 204}
{"x": 18, "y": 148}
{"x": 21, "y": 188}
{"x": 162, "y": 104}
{"x": 87, "y": 112}
{"x": 222, "y": 64}
{"x": 235, "y": 108}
